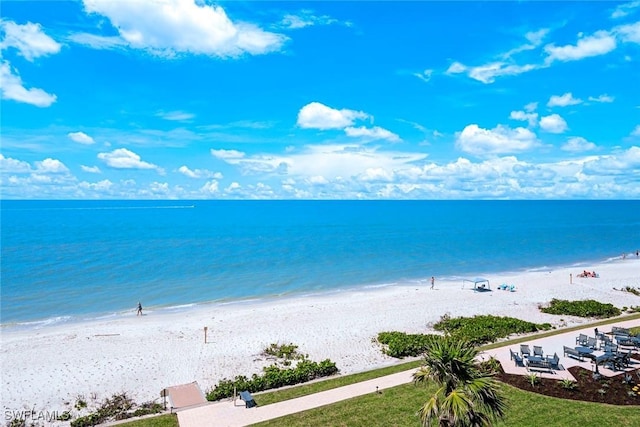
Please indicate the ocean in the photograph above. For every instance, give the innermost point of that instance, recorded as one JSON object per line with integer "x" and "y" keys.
{"x": 79, "y": 260}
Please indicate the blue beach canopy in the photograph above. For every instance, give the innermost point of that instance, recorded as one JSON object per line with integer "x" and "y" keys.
{"x": 477, "y": 281}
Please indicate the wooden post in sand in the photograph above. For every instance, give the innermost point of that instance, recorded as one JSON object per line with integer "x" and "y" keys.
{"x": 205, "y": 334}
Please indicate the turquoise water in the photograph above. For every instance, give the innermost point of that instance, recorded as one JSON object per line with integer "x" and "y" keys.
{"x": 65, "y": 260}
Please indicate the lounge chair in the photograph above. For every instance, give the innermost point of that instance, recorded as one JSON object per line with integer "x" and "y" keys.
{"x": 249, "y": 402}
{"x": 538, "y": 364}
{"x": 615, "y": 330}
{"x": 516, "y": 358}
{"x": 572, "y": 352}
{"x": 537, "y": 351}
{"x": 592, "y": 343}
{"x": 524, "y": 349}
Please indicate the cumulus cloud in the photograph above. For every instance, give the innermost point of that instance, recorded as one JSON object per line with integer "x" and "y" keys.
{"x": 375, "y": 132}
{"x": 456, "y": 68}
{"x": 199, "y": 173}
{"x": 50, "y": 165}
{"x": 553, "y": 123}
{"x": 578, "y": 144}
{"x": 29, "y": 39}
{"x": 81, "y": 138}
{"x": 184, "y": 26}
{"x": 530, "y": 117}
{"x": 122, "y": 158}
{"x": 13, "y": 89}
{"x": 563, "y": 100}
{"x": 629, "y": 32}
{"x": 600, "y": 43}
{"x": 9, "y": 165}
{"x": 210, "y": 187}
{"x": 500, "y": 140}
{"x": 318, "y": 116}
{"x": 625, "y": 9}
{"x": 227, "y": 154}
{"x": 90, "y": 169}
{"x": 636, "y": 131}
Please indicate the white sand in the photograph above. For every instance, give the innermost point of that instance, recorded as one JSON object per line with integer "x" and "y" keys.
{"x": 48, "y": 368}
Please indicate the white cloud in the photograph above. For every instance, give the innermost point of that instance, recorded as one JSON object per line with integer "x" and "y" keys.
{"x": 318, "y": 116}
{"x": 29, "y": 39}
{"x": 98, "y": 42}
{"x": 199, "y": 173}
{"x": 553, "y": 124}
{"x": 90, "y": 169}
{"x": 636, "y": 131}
{"x": 532, "y": 118}
{"x": 500, "y": 140}
{"x": 122, "y": 158}
{"x": 307, "y": 18}
{"x": 456, "y": 68}
{"x": 210, "y": 187}
{"x": 563, "y": 100}
{"x": 81, "y": 138}
{"x": 600, "y": 43}
{"x": 536, "y": 37}
{"x": 9, "y": 165}
{"x": 227, "y": 154}
{"x": 178, "y": 116}
{"x": 602, "y": 98}
{"x": 184, "y": 26}
{"x": 375, "y": 132}
{"x": 12, "y": 89}
{"x": 50, "y": 165}
{"x": 425, "y": 76}
{"x": 578, "y": 144}
{"x": 531, "y": 107}
{"x": 629, "y": 33}
{"x": 625, "y": 9}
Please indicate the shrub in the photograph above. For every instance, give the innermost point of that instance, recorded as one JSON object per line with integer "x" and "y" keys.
{"x": 117, "y": 407}
{"x": 583, "y": 308}
{"x": 400, "y": 344}
{"x": 486, "y": 328}
{"x": 568, "y": 384}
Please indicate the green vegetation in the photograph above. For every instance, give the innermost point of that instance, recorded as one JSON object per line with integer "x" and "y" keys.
{"x": 117, "y": 407}
{"x": 275, "y": 376}
{"x": 400, "y": 345}
{"x": 583, "y": 308}
{"x": 484, "y": 329}
{"x": 397, "y": 407}
{"x": 465, "y": 395}
{"x": 167, "y": 420}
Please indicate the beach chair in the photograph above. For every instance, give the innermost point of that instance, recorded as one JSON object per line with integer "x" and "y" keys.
{"x": 525, "y": 350}
{"x": 249, "y": 402}
{"x": 592, "y": 343}
{"x": 537, "y": 351}
{"x": 516, "y": 358}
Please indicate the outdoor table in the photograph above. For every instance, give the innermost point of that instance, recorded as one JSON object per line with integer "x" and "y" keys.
{"x": 535, "y": 359}
{"x": 584, "y": 350}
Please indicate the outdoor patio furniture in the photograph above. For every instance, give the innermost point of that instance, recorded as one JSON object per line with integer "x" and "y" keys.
{"x": 610, "y": 349}
{"x": 592, "y": 343}
{"x": 616, "y": 330}
{"x": 554, "y": 361}
{"x": 538, "y": 363}
{"x": 572, "y": 352}
{"x": 249, "y": 402}
{"x": 581, "y": 340}
{"x": 537, "y": 351}
{"x": 525, "y": 350}
{"x": 625, "y": 341}
{"x": 516, "y": 358}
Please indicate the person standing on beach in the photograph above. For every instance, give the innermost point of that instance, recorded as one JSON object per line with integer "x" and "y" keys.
{"x": 570, "y": 278}
{"x": 139, "y": 313}
{"x": 432, "y": 282}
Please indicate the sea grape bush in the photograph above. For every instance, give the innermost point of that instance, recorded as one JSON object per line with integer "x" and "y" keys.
{"x": 486, "y": 328}
{"x": 583, "y": 308}
{"x": 400, "y": 344}
{"x": 275, "y": 376}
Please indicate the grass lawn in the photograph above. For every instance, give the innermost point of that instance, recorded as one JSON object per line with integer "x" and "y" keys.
{"x": 168, "y": 420}
{"x": 398, "y": 407}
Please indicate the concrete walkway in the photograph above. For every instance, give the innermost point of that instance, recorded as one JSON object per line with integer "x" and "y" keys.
{"x": 228, "y": 414}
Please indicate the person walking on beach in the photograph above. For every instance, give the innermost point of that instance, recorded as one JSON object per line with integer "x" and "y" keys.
{"x": 139, "y": 313}
{"x": 432, "y": 282}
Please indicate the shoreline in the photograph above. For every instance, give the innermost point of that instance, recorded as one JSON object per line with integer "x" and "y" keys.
{"x": 50, "y": 366}
{"x": 71, "y": 319}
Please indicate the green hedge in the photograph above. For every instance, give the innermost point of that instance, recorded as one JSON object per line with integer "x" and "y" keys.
{"x": 486, "y": 328}
{"x": 399, "y": 344}
{"x": 584, "y": 308}
{"x": 274, "y": 376}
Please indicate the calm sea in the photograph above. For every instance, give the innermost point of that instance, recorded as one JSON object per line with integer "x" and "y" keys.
{"x": 68, "y": 260}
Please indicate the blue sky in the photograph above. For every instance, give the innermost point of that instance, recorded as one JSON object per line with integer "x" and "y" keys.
{"x": 184, "y": 99}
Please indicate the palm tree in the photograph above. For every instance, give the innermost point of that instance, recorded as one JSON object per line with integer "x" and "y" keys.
{"x": 466, "y": 397}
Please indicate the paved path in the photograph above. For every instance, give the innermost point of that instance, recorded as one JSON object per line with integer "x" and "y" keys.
{"x": 228, "y": 414}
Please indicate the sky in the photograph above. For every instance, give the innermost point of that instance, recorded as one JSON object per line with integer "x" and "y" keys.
{"x": 194, "y": 99}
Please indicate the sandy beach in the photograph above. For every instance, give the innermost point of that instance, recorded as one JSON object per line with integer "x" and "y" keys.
{"x": 48, "y": 368}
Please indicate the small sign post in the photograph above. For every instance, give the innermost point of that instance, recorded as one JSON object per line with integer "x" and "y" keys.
{"x": 205, "y": 334}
